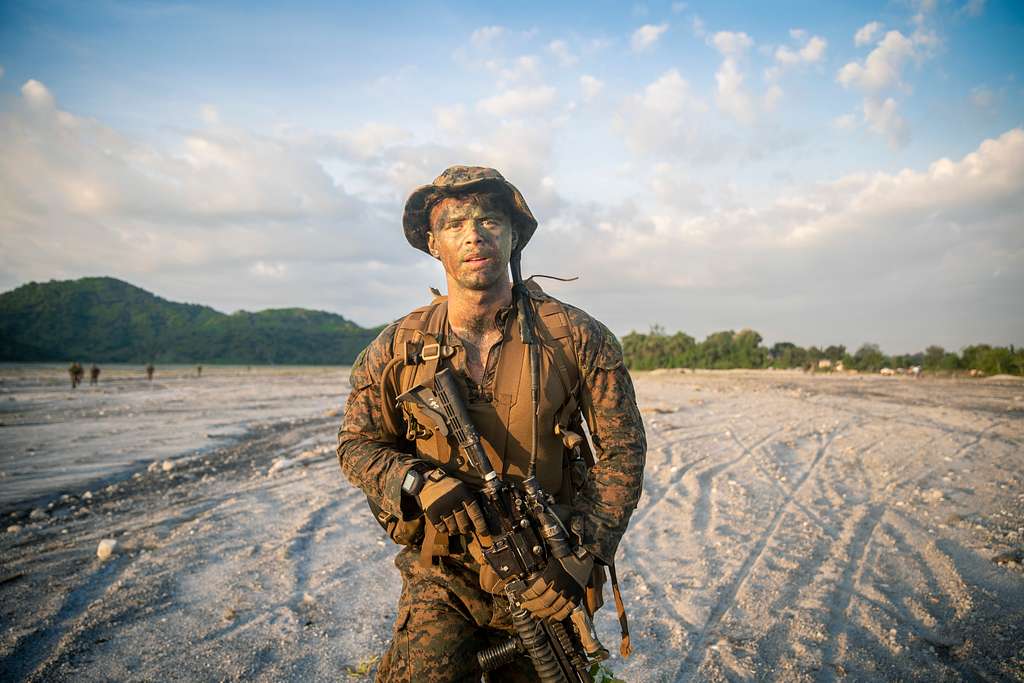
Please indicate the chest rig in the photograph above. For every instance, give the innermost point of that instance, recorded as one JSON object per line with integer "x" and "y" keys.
{"x": 502, "y": 413}
{"x": 503, "y": 417}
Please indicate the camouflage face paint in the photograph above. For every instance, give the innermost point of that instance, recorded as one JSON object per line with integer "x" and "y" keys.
{"x": 472, "y": 237}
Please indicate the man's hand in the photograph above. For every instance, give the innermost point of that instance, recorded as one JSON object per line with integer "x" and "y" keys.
{"x": 450, "y": 505}
{"x": 554, "y": 594}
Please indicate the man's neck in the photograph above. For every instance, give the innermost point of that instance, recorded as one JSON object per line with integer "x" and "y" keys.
{"x": 471, "y": 312}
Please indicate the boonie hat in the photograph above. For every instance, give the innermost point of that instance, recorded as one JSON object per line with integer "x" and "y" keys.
{"x": 460, "y": 180}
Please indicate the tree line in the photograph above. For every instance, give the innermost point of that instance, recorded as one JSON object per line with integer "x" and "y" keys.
{"x": 744, "y": 349}
{"x": 109, "y": 321}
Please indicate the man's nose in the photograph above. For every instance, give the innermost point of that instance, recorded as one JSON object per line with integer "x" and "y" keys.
{"x": 475, "y": 234}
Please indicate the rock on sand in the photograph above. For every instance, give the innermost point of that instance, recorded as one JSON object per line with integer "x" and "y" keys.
{"x": 106, "y": 548}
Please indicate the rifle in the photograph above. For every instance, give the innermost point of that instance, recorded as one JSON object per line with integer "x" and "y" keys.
{"x": 520, "y": 535}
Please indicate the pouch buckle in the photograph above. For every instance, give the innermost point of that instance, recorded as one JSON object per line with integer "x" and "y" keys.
{"x": 430, "y": 352}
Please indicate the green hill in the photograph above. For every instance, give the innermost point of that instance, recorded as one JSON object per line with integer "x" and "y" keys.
{"x": 100, "y": 319}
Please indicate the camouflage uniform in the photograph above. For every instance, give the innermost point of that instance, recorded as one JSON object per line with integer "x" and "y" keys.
{"x": 444, "y": 616}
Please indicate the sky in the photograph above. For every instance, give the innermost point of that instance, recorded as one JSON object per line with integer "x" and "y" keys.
{"x": 821, "y": 173}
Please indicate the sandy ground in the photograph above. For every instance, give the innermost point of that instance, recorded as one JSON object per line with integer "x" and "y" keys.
{"x": 792, "y": 528}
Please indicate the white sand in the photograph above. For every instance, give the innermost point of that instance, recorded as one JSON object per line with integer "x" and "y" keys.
{"x": 792, "y": 528}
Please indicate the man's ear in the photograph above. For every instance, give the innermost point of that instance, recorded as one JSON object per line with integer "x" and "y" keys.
{"x": 431, "y": 247}
{"x": 515, "y": 238}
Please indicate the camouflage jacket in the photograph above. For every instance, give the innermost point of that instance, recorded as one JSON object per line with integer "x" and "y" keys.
{"x": 376, "y": 462}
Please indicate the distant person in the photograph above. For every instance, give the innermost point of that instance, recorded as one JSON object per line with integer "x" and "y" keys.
{"x": 76, "y": 372}
{"x": 94, "y": 374}
{"x": 149, "y": 372}
{"x": 199, "y": 371}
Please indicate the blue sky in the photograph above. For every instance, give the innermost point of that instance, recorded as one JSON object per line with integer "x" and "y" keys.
{"x": 822, "y": 173}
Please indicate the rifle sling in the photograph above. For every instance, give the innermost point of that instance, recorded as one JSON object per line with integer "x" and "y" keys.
{"x": 625, "y": 648}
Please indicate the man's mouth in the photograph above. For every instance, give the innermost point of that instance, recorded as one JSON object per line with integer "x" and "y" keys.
{"x": 477, "y": 259}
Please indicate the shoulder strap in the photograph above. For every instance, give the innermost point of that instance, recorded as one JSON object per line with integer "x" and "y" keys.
{"x": 557, "y": 331}
{"x": 429, "y": 319}
{"x": 416, "y": 331}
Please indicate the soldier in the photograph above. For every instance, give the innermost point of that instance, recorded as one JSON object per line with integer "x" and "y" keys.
{"x": 476, "y": 223}
{"x": 94, "y": 374}
{"x": 75, "y": 370}
{"x": 149, "y": 371}
{"x": 199, "y": 371}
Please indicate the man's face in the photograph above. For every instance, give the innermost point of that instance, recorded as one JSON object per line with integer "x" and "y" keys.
{"x": 473, "y": 239}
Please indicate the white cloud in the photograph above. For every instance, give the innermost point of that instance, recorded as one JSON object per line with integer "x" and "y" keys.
{"x": 647, "y": 36}
{"x": 237, "y": 219}
{"x": 983, "y": 97}
{"x": 904, "y": 259}
{"x": 669, "y": 95}
{"x": 522, "y": 69}
{"x": 883, "y": 67}
{"x": 450, "y": 119}
{"x": 663, "y": 118}
{"x": 673, "y": 188}
{"x": 486, "y": 36}
{"x": 732, "y": 44}
{"x": 883, "y": 70}
{"x": 772, "y": 97}
{"x": 591, "y": 87}
{"x": 866, "y": 33}
{"x": 797, "y": 34}
{"x": 924, "y": 8}
{"x": 205, "y": 220}
{"x": 811, "y": 52}
{"x": 973, "y": 8}
{"x": 37, "y": 95}
{"x": 519, "y": 101}
{"x": 732, "y": 97}
{"x": 883, "y": 118}
{"x": 845, "y": 122}
{"x": 209, "y": 114}
{"x": 560, "y": 49}
{"x": 263, "y": 269}
{"x": 678, "y": 7}
{"x": 698, "y": 27}
{"x": 814, "y": 50}
{"x": 370, "y": 138}
{"x": 224, "y": 200}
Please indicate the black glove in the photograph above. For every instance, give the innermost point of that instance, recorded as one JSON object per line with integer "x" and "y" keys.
{"x": 554, "y": 594}
{"x": 450, "y": 505}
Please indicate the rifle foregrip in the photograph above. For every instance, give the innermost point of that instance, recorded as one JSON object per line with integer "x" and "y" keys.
{"x": 447, "y": 393}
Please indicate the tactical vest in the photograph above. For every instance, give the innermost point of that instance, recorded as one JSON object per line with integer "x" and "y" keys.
{"x": 504, "y": 417}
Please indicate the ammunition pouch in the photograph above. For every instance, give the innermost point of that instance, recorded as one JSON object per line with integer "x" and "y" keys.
{"x": 401, "y": 531}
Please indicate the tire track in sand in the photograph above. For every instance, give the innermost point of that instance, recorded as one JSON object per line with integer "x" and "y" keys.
{"x": 844, "y": 590}
{"x": 695, "y": 657}
{"x": 702, "y": 508}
